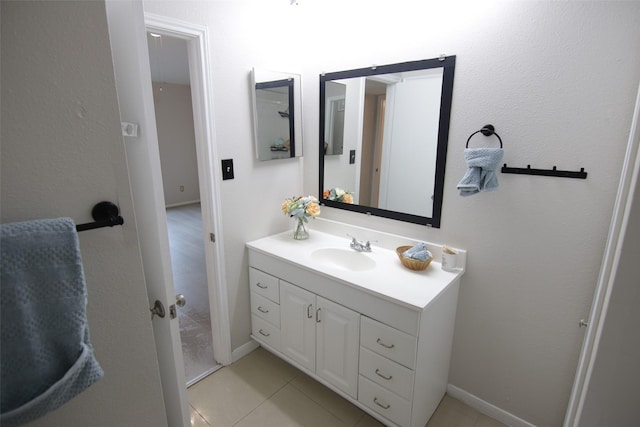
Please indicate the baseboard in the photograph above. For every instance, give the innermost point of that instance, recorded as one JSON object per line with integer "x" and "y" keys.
{"x": 175, "y": 205}
{"x": 243, "y": 350}
{"x": 487, "y": 408}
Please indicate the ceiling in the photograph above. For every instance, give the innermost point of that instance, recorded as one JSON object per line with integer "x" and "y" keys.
{"x": 169, "y": 60}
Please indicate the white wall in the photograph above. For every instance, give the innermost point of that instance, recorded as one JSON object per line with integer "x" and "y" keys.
{"x": 62, "y": 152}
{"x": 177, "y": 142}
{"x": 557, "y": 79}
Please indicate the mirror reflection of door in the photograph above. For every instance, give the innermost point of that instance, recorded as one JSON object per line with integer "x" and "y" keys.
{"x": 372, "y": 142}
{"x": 176, "y": 142}
{"x": 335, "y": 106}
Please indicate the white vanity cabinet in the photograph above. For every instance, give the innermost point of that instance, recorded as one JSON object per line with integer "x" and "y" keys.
{"x": 381, "y": 339}
{"x": 265, "y": 307}
{"x": 321, "y": 336}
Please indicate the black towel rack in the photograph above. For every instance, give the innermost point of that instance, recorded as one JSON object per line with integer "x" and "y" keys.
{"x": 487, "y": 130}
{"x": 105, "y": 214}
{"x": 581, "y": 174}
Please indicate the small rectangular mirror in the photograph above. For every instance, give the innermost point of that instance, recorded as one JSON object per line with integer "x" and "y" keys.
{"x": 277, "y": 116}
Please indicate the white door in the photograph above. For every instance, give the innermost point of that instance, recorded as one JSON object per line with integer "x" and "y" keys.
{"x": 129, "y": 48}
{"x": 605, "y": 387}
{"x": 337, "y": 346}
{"x": 298, "y": 324}
{"x": 127, "y": 31}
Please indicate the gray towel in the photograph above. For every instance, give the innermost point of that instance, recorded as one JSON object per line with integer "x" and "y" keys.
{"x": 481, "y": 175}
{"x": 47, "y": 358}
{"x": 419, "y": 252}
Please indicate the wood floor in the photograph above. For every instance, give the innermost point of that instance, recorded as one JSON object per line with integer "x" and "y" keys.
{"x": 190, "y": 279}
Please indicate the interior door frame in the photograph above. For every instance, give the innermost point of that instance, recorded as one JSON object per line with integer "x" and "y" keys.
{"x": 607, "y": 276}
{"x": 197, "y": 38}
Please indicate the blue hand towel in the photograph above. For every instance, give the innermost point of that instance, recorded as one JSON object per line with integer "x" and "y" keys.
{"x": 481, "y": 175}
{"x": 47, "y": 358}
{"x": 419, "y": 252}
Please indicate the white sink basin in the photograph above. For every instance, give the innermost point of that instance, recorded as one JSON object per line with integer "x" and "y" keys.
{"x": 345, "y": 259}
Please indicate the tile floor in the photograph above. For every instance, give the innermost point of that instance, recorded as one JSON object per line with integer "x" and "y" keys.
{"x": 262, "y": 390}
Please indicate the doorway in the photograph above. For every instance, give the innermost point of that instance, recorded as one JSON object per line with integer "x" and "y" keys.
{"x": 168, "y": 57}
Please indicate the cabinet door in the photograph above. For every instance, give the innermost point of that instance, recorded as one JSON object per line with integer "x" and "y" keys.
{"x": 298, "y": 325}
{"x": 338, "y": 342}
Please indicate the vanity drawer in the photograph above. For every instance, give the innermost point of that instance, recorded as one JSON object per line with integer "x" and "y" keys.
{"x": 388, "y": 342}
{"x": 264, "y": 284}
{"x": 386, "y": 373}
{"x": 265, "y": 332}
{"x": 384, "y": 402}
{"x": 267, "y": 309}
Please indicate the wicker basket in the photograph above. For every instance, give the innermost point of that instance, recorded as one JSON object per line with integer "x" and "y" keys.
{"x": 412, "y": 264}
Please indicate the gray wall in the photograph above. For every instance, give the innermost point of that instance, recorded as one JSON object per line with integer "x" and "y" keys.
{"x": 557, "y": 79}
{"x": 176, "y": 142}
{"x": 62, "y": 152}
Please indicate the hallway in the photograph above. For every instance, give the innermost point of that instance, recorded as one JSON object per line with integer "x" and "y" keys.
{"x": 190, "y": 279}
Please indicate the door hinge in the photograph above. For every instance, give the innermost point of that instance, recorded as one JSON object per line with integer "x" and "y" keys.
{"x": 212, "y": 237}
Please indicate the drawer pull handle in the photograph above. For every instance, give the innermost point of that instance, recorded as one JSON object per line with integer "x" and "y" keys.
{"x": 383, "y": 376}
{"x": 375, "y": 400}
{"x": 261, "y": 286}
{"x": 318, "y": 315}
{"x": 309, "y": 314}
{"x": 263, "y": 333}
{"x": 262, "y": 310}
{"x": 384, "y": 345}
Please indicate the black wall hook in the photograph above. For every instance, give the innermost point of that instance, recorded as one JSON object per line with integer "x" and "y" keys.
{"x": 546, "y": 172}
{"x": 105, "y": 214}
{"x": 487, "y": 130}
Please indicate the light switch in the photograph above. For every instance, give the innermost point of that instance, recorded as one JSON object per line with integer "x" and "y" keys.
{"x": 227, "y": 169}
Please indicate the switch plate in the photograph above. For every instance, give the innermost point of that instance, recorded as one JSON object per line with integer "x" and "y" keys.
{"x": 227, "y": 169}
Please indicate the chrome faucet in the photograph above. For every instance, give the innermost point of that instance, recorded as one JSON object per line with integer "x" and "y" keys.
{"x": 359, "y": 246}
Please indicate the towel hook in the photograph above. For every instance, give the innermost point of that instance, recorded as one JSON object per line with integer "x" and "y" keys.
{"x": 487, "y": 130}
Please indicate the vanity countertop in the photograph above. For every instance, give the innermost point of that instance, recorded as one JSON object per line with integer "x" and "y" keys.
{"x": 389, "y": 279}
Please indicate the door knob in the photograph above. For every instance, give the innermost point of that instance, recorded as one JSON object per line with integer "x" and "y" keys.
{"x": 180, "y": 300}
{"x": 157, "y": 309}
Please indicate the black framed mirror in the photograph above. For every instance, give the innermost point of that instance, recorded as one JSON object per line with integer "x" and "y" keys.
{"x": 276, "y": 106}
{"x": 394, "y": 135}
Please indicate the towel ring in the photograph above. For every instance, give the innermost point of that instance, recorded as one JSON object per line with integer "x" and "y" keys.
{"x": 487, "y": 130}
